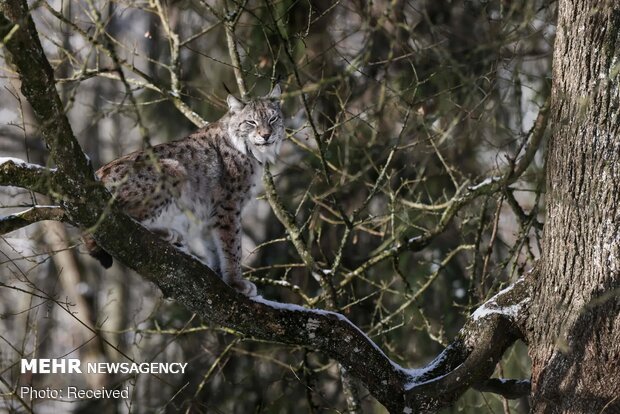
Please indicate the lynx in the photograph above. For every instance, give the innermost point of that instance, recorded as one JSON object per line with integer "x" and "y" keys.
{"x": 192, "y": 191}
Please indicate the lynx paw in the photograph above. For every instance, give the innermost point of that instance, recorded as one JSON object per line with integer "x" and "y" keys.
{"x": 245, "y": 287}
{"x": 171, "y": 236}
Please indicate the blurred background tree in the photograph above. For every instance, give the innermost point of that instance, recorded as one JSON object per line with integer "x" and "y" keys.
{"x": 394, "y": 110}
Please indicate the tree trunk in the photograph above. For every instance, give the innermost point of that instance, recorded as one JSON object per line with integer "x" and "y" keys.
{"x": 574, "y": 325}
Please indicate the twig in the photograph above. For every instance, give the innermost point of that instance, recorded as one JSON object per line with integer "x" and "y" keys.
{"x": 507, "y": 388}
{"x": 175, "y": 98}
{"x": 144, "y": 133}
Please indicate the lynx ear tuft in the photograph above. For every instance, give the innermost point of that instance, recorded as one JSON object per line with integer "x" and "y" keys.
{"x": 234, "y": 104}
{"x": 275, "y": 92}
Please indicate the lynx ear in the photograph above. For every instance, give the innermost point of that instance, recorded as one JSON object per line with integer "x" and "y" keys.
{"x": 275, "y": 92}
{"x": 234, "y": 104}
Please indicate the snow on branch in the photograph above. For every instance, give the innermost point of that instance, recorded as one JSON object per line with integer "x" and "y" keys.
{"x": 18, "y": 161}
{"x": 19, "y": 173}
{"x": 504, "y": 303}
{"x": 471, "y": 359}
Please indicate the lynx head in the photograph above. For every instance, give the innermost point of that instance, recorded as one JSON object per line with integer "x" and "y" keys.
{"x": 257, "y": 126}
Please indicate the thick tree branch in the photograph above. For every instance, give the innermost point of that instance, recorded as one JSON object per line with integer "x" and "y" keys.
{"x": 31, "y": 216}
{"x": 199, "y": 289}
{"x": 471, "y": 359}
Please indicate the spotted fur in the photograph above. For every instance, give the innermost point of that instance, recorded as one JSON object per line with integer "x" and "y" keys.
{"x": 192, "y": 191}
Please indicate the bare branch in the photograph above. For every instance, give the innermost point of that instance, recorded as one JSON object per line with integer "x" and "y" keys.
{"x": 18, "y": 173}
{"x": 494, "y": 184}
{"x": 31, "y": 216}
{"x": 507, "y": 388}
{"x": 117, "y": 66}
{"x": 149, "y": 83}
{"x": 234, "y": 54}
{"x": 536, "y": 135}
{"x": 286, "y": 219}
{"x": 174, "y": 67}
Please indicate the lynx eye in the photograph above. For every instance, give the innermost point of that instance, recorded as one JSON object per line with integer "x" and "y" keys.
{"x": 274, "y": 119}
{"x": 250, "y": 122}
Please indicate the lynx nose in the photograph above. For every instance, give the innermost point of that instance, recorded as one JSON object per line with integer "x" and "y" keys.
{"x": 265, "y": 135}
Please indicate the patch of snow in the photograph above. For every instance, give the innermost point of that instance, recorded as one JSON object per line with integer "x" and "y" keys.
{"x": 280, "y": 305}
{"x": 312, "y": 321}
{"x": 491, "y": 306}
{"x": 20, "y": 162}
{"x": 485, "y": 310}
{"x": 17, "y": 161}
{"x": 416, "y": 373}
{"x": 414, "y": 239}
{"x": 484, "y": 183}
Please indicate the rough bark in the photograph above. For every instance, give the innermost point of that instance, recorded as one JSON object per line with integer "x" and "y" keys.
{"x": 574, "y": 330}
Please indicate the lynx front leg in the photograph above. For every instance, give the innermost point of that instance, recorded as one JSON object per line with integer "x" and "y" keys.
{"x": 227, "y": 235}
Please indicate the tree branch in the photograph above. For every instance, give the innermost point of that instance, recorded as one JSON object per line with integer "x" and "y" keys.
{"x": 464, "y": 195}
{"x": 471, "y": 359}
{"x": 230, "y": 23}
{"x": 286, "y": 220}
{"x": 149, "y": 82}
{"x": 18, "y": 173}
{"x": 507, "y": 388}
{"x": 31, "y": 216}
{"x": 536, "y": 135}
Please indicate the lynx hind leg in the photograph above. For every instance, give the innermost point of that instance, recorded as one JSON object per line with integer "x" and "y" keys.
{"x": 244, "y": 286}
{"x": 211, "y": 258}
{"x": 97, "y": 252}
{"x": 172, "y": 236}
